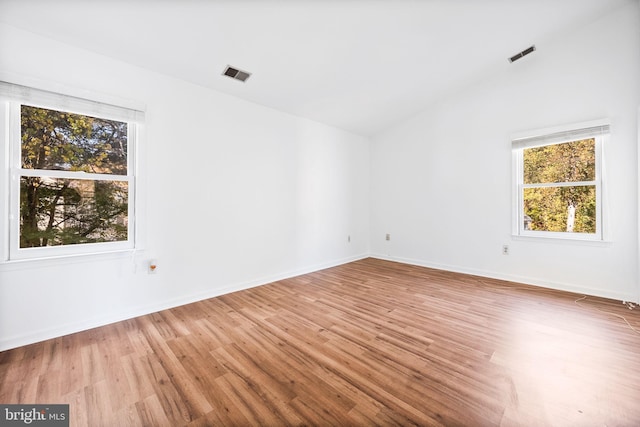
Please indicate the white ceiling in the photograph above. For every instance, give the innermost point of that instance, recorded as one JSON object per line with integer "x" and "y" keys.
{"x": 361, "y": 65}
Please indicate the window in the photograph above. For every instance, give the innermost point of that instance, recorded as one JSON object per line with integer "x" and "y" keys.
{"x": 72, "y": 175}
{"x": 559, "y": 183}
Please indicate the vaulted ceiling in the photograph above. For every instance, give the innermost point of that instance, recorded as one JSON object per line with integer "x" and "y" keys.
{"x": 361, "y": 65}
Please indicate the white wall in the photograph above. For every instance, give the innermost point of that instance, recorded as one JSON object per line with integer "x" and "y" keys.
{"x": 441, "y": 181}
{"x": 236, "y": 195}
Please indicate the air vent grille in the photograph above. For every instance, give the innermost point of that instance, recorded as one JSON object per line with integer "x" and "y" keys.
{"x": 522, "y": 54}
{"x": 237, "y": 74}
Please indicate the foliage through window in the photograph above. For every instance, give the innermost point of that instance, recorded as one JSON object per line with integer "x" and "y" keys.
{"x": 559, "y": 184}
{"x": 68, "y": 209}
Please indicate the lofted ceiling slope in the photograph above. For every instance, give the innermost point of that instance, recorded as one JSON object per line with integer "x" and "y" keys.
{"x": 360, "y": 65}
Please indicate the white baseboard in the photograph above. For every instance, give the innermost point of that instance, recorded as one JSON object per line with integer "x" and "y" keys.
{"x": 70, "y": 328}
{"x": 61, "y": 330}
{"x": 569, "y": 287}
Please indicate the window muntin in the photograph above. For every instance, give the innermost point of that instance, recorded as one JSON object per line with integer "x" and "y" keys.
{"x": 72, "y": 184}
{"x": 558, "y": 184}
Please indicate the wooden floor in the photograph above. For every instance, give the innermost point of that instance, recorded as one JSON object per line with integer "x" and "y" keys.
{"x": 367, "y": 343}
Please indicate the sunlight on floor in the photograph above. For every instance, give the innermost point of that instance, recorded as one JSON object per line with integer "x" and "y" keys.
{"x": 552, "y": 371}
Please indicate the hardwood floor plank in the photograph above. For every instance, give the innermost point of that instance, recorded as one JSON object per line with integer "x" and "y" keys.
{"x": 140, "y": 384}
{"x": 151, "y": 412}
{"x": 97, "y": 401}
{"x": 76, "y": 400}
{"x": 176, "y": 407}
{"x": 250, "y": 404}
{"x": 127, "y": 416}
{"x": 366, "y": 343}
{"x": 266, "y": 389}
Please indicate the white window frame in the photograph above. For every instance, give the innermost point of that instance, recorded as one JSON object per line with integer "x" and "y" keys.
{"x": 599, "y": 130}
{"x": 11, "y": 98}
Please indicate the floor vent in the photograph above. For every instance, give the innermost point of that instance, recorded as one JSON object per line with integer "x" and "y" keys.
{"x": 522, "y": 54}
{"x": 234, "y": 73}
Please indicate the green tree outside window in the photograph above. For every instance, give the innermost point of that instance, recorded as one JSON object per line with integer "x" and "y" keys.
{"x": 91, "y": 208}
{"x": 559, "y": 193}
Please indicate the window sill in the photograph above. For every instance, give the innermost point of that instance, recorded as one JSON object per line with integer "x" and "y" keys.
{"x": 564, "y": 240}
{"x": 50, "y": 261}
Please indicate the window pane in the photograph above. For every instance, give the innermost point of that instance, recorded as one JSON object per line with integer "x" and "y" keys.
{"x": 57, "y": 140}
{"x": 568, "y": 162}
{"x": 57, "y": 212}
{"x": 563, "y": 209}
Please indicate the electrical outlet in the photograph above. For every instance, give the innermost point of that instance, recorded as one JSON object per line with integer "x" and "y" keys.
{"x": 505, "y": 249}
{"x": 348, "y": 239}
{"x": 153, "y": 266}
{"x": 388, "y": 237}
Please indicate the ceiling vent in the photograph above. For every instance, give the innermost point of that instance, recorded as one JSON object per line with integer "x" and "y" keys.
{"x": 234, "y": 73}
{"x": 522, "y": 54}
